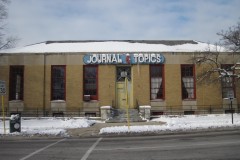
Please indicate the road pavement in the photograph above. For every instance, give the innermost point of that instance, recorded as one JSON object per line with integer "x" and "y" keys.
{"x": 210, "y": 145}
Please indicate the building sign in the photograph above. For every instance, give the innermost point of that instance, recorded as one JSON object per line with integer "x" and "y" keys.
{"x": 137, "y": 58}
{"x": 2, "y": 87}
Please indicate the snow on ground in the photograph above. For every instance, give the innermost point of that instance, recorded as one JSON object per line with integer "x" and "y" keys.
{"x": 47, "y": 126}
{"x": 177, "y": 123}
{"x": 58, "y": 126}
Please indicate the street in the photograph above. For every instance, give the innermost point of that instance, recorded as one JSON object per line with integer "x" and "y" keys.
{"x": 210, "y": 145}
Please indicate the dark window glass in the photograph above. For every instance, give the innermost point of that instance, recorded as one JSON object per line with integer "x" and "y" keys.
{"x": 58, "y": 82}
{"x": 156, "y": 76}
{"x": 16, "y": 83}
{"x": 228, "y": 87}
{"x": 91, "y": 81}
{"x": 188, "y": 82}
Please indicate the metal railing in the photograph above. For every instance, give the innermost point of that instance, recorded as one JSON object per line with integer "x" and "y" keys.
{"x": 157, "y": 110}
{"x": 51, "y": 113}
{"x": 195, "y": 109}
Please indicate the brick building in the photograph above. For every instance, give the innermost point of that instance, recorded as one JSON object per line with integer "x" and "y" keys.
{"x": 78, "y": 77}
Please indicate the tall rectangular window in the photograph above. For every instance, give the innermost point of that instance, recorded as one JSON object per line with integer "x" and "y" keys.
{"x": 90, "y": 81}
{"x": 157, "y": 82}
{"x": 188, "y": 82}
{"x": 58, "y": 79}
{"x": 16, "y": 82}
{"x": 228, "y": 87}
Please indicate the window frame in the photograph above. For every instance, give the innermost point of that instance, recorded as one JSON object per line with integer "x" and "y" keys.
{"x": 194, "y": 81}
{"x": 92, "y": 97}
{"x": 64, "y": 78}
{"x": 225, "y": 66}
{"x": 163, "y": 81}
{"x": 126, "y": 69}
{"x": 11, "y": 83}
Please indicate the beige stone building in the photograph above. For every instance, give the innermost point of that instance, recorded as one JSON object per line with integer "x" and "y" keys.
{"x": 78, "y": 77}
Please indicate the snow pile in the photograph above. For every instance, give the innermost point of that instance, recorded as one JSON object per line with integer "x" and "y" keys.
{"x": 14, "y": 117}
{"x": 177, "y": 123}
{"x": 48, "y": 126}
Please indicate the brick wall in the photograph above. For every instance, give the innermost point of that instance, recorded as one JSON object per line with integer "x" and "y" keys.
{"x": 106, "y": 84}
{"x": 206, "y": 94}
{"x": 141, "y": 84}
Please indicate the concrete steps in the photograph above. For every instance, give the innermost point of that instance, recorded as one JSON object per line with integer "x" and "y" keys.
{"x": 120, "y": 116}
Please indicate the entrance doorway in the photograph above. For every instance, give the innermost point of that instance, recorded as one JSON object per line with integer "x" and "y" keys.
{"x": 123, "y": 87}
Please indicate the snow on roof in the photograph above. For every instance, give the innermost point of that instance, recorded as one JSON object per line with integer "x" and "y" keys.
{"x": 114, "y": 46}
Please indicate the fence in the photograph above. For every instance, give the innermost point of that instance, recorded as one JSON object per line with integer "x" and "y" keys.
{"x": 50, "y": 113}
{"x": 158, "y": 110}
{"x": 195, "y": 109}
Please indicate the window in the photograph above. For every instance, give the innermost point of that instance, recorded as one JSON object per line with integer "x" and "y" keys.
{"x": 188, "y": 82}
{"x": 123, "y": 72}
{"x": 16, "y": 83}
{"x": 90, "y": 81}
{"x": 228, "y": 87}
{"x": 157, "y": 81}
{"x": 58, "y": 87}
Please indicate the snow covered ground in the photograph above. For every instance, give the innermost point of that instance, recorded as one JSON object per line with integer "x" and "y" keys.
{"x": 58, "y": 126}
{"x": 177, "y": 123}
{"x": 47, "y": 126}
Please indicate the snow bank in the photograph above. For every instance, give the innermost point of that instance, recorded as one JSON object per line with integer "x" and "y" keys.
{"x": 50, "y": 126}
{"x": 176, "y": 123}
{"x": 14, "y": 117}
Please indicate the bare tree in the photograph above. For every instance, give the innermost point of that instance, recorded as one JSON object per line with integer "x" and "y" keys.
{"x": 231, "y": 38}
{"x": 213, "y": 66}
{"x": 5, "y": 40}
{"x": 212, "y": 61}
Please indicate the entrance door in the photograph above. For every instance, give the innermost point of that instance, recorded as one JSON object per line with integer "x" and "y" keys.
{"x": 121, "y": 95}
{"x": 123, "y": 88}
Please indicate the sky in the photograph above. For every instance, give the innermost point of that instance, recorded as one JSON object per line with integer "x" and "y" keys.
{"x": 34, "y": 21}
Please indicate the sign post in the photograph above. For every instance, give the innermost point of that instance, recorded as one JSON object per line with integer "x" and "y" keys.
{"x": 2, "y": 93}
{"x": 231, "y": 97}
{"x": 127, "y": 105}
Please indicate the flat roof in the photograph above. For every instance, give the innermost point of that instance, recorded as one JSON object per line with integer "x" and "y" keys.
{"x": 114, "y": 46}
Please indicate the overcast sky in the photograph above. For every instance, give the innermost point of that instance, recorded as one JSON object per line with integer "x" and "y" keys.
{"x": 35, "y": 21}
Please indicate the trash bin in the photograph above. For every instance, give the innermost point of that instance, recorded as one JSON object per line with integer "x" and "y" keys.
{"x": 15, "y": 123}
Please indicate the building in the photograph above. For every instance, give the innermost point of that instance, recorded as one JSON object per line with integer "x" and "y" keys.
{"x": 78, "y": 77}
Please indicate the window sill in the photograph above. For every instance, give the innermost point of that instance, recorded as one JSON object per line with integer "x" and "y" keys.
{"x": 15, "y": 101}
{"x": 58, "y": 101}
{"x": 58, "y": 105}
{"x": 16, "y": 105}
{"x": 189, "y": 100}
{"x": 228, "y": 98}
{"x": 91, "y": 101}
{"x": 157, "y": 100}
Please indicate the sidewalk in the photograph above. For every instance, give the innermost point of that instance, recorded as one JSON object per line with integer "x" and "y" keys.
{"x": 94, "y": 130}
